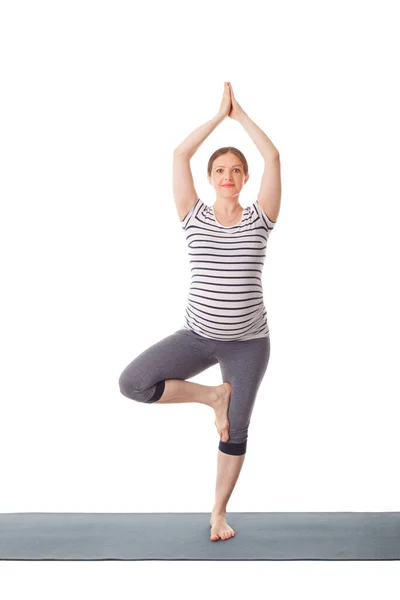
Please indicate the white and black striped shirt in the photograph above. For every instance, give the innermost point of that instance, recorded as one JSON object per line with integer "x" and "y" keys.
{"x": 225, "y": 299}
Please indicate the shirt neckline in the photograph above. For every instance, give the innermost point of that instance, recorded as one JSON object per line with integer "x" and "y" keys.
{"x": 227, "y": 226}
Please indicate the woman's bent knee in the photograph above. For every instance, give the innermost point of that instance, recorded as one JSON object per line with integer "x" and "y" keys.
{"x": 131, "y": 388}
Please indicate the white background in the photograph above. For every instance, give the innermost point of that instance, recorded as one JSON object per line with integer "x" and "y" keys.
{"x": 95, "y": 97}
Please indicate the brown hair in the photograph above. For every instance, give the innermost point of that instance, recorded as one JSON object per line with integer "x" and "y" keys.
{"x": 225, "y": 150}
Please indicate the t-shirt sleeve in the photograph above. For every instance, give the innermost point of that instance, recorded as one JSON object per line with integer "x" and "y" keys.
{"x": 193, "y": 211}
{"x": 268, "y": 222}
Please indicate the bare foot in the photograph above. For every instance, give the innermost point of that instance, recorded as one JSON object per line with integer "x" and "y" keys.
{"x": 220, "y": 406}
{"x": 220, "y": 528}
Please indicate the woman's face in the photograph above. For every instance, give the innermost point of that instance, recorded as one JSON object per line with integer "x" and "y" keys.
{"x": 227, "y": 169}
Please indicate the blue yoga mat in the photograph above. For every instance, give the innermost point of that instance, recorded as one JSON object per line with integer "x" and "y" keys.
{"x": 186, "y": 536}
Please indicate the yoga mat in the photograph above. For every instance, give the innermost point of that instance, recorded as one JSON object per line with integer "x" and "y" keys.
{"x": 186, "y": 536}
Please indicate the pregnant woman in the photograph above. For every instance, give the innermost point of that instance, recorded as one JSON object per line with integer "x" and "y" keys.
{"x": 225, "y": 320}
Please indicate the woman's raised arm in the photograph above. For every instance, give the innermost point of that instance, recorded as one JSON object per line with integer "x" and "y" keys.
{"x": 185, "y": 194}
{"x": 192, "y": 143}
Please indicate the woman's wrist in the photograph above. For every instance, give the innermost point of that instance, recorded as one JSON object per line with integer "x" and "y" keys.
{"x": 219, "y": 117}
{"x": 241, "y": 117}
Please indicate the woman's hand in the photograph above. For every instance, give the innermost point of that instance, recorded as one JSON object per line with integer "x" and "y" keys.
{"x": 226, "y": 102}
{"x": 236, "y": 110}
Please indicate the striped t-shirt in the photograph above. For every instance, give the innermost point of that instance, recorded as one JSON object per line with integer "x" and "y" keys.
{"x": 225, "y": 299}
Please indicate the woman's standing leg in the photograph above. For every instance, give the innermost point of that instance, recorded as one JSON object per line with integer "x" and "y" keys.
{"x": 243, "y": 364}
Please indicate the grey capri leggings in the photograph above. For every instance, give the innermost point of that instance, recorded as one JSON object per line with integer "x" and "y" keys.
{"x": 183, "y": 355}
